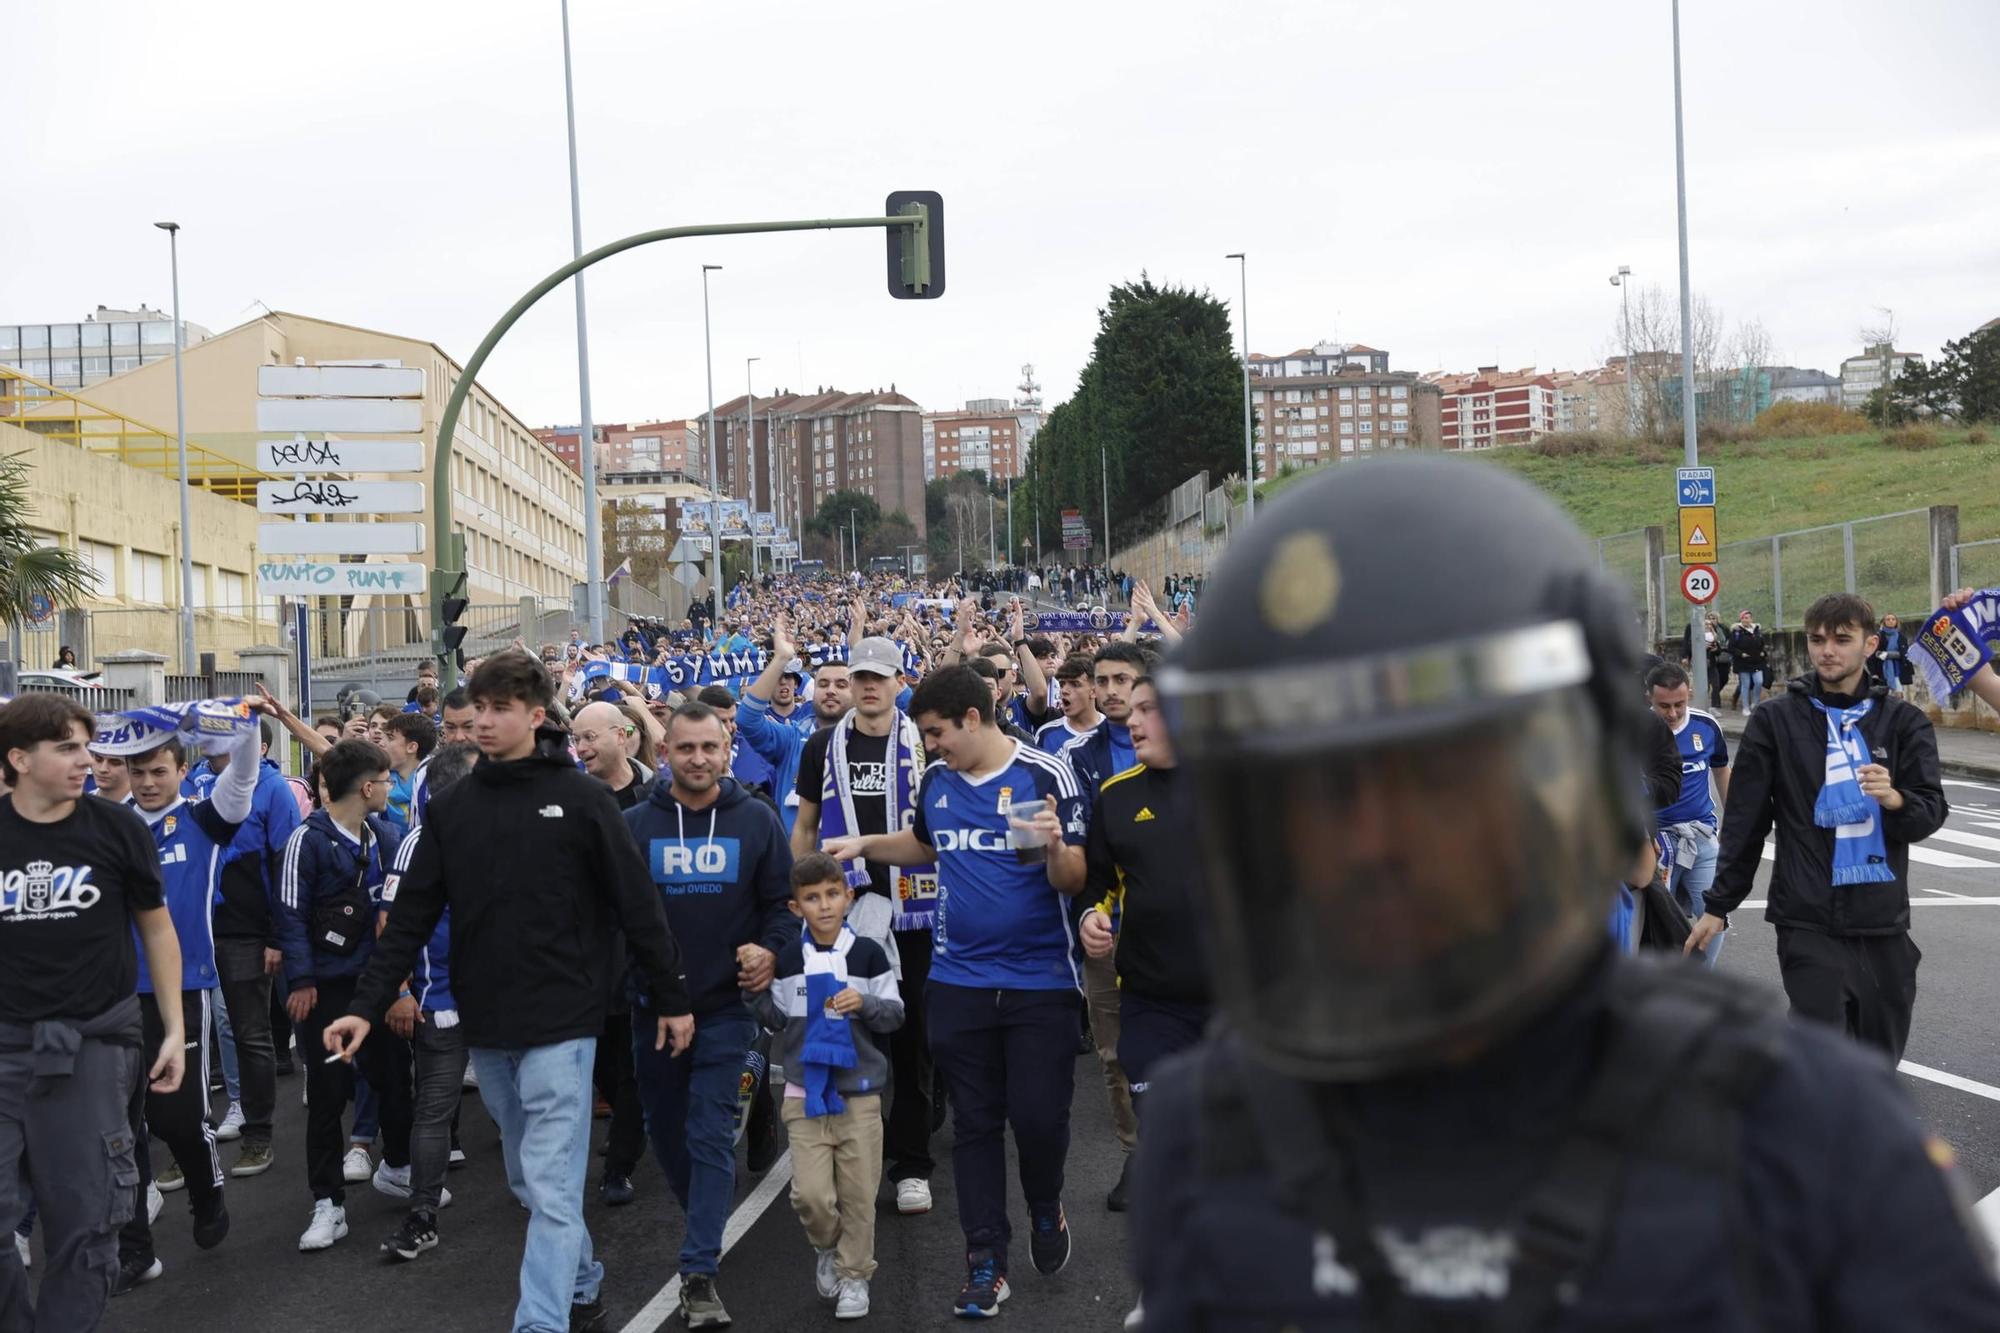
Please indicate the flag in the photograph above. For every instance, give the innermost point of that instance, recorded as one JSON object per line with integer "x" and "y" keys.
{"x": 624, "y": 570}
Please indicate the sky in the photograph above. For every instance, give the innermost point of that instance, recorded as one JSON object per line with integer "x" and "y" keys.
{"x": 1451, "y": 180}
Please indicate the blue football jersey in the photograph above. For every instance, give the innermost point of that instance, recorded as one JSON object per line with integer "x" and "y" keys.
{"x": 1702, "y": 748}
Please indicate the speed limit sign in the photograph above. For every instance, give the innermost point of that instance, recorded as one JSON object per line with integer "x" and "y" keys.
{"x": 1699, "y": 584}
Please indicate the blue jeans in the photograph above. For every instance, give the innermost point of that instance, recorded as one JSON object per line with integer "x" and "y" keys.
{"x": 539, "y": 1096}
{"x": 690, "y": 1103}
{"x": 1752, "y": 683}
{"x": 1690, "y": 885}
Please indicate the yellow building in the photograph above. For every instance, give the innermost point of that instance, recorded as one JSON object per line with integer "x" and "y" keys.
{"x": 519, "y": 507}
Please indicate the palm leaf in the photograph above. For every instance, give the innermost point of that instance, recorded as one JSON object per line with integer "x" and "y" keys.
{"x": 26, "y": 568}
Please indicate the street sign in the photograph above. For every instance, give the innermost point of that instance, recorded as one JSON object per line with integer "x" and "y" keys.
{"x": 1695, "y": 485}
{"x": 41, "y": 611}
{"x": 352, "y": 416}
{"x": 340, "y": 381}
{"x": 340, "y": 538}
{"x": 1699, "y": 584}
{"x": 306, "y": 578}
{"x": 1698, "y": 540}
{"x": 319, "y": 495}
{"x": 319, "y": 454}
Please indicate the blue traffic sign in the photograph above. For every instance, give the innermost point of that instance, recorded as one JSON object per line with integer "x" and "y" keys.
{"x": 1695, "y": 485}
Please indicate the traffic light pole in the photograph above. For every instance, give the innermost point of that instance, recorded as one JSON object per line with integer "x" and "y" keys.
{"x": 915, "y": 269}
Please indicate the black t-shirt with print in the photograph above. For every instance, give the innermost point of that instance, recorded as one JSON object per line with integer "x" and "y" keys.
{"x": 67, "y": 894}
{"x": 868, "y": 782}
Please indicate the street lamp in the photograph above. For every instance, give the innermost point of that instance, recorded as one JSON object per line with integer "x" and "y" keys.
{"x": 714, "y": 486}
{"x": 1697, "y": 650}
{"x": 750, "y": 445}
{"x": 188, "y": 661}
{"x": 593, "y": 540}
{"x": 1243, "y": 321}
{"x": 1622, "y": 279}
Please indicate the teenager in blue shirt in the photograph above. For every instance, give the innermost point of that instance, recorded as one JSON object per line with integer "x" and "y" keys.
{"x": 1690, "y": 823}
{"x": 1004, "y": 996}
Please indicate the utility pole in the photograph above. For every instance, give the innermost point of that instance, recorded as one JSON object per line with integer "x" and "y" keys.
{"x": 714, "y": 477}
{"x": 190, "y": 663}
{"x": 1622, "y": 280}
{"x": 1697, "y": 650}
{"x": 593, "y": 541}
{"x": 750, "y": 415}
{"x": 1249, "y": 457}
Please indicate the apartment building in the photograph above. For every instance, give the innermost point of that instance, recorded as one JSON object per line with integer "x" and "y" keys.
{"x": 1337, "y": 400}
{"x": 104, "y": 343}
{"x": 642, "y": 446}
{"x": 989, "y": 435}
{"x": 1864, "y": 374}
{"x": 1490, "y": 407}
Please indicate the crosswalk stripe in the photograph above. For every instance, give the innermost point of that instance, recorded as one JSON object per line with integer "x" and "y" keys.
{"x": 1914, "y": 902}
{"x": 1952, "y": 835}
{"x": 1929, "y": 856}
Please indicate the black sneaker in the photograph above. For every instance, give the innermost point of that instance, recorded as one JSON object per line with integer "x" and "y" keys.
{"x": 985, "y": 1287}
{"x": 700, "y": 1306}
{"x": 616, "y": 1190}
{"x": 417, "y": 1234}
{"x": 1048, "y": 1242}
{"x": 1119, "y": 1198}
{"x": 212, "y": 1225}
{"x": 591, "y": 1318}
{"x": 134, "y": 1272}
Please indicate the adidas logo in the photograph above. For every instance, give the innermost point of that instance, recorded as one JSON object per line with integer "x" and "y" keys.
{"x": 940, "y": 803}
{"x": 551, "y": 812}
{"x": 1145, "y": 813}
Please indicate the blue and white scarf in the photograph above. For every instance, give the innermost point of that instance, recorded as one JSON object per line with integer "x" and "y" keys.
{"x": 1953, "y": 645}
{"x": 916, "y": 886}
{"x": 1859, "y": 854}
{"x": 828, "y": 1043}
{"x": 208, "y": 725}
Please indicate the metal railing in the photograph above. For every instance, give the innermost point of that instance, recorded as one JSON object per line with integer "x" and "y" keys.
{"x": 1884, "y": 557}
{"x": 44, "y": 409}
{"x": 97, "y": 698}
{"x": 1976, "y": 563}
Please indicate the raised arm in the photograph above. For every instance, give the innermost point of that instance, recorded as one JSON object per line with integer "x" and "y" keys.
{"x": 316, "y": 744}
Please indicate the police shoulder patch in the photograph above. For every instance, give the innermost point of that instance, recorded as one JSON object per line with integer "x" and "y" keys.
{"x": 1301, "y": 584}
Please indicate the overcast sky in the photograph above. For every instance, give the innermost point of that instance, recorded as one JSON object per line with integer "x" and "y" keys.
{"x": 1452, "y": 180}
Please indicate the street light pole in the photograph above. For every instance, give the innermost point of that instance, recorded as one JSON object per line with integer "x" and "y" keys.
{"x": 714, "y": 482}
{"x": 1622, "y": 280}
{"x": 188, "y": 659}
{"x": 586, "y": 440}
{"x": 1243, "y": 321}
{"x": 1697, "y": 650}
{"x": 750, "y": 411}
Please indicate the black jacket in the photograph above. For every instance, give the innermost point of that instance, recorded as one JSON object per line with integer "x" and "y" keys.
{"x": 1777, "y": 771}
{"x": 1663, "y": 762}
{"x": 1746, "y": 647}
{"x": 538, "y": 870}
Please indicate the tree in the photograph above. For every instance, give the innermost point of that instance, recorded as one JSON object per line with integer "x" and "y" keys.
{"x": 844, "y": 510}
{"x": 636, "y": 531}
{"x": 1655, "y": 348}
{"x": 1964, "y": 383}
{"x": 1160, "y": 400}
{"x": 29, "y": 569}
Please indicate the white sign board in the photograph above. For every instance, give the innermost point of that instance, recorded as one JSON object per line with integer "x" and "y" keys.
{"x": 305, "y": 578}
{"x": 340, "y": 381}
{"x": 287, "y": 457}
{"x": 338, "y": 416}
{"x": 324, "y": 495}
{"x": 340, "y": 538}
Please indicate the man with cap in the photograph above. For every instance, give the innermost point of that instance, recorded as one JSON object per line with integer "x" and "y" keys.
{"x": 1436, "y": 1096}
{"x": 860, "y": 776}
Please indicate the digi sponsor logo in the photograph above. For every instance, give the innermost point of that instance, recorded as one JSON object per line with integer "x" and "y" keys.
{"x": 971, "y": 840}
{"x": 44, "y": 889}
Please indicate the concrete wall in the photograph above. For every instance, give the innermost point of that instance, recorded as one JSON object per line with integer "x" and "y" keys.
{"x": 81, "y": 496}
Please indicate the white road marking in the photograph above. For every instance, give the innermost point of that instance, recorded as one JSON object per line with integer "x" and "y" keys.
{"x": 661, "y": 1308}
{"x": 1986, "y": 1090}
{"x": 1976, "y": 786}
{"x": 1914, "y": 902}
{"x": 1928, "y": 856}
{"x": 1980, "y": 840}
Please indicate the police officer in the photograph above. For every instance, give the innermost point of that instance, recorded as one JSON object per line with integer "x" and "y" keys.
{"x": 1438, "y": 1100}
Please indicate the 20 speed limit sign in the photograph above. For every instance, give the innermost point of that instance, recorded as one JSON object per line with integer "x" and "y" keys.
{"x": 1699, "y": 584}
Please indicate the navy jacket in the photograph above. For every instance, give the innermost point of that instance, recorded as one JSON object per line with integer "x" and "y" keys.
{"x": 724, "y": 875}
{"x": 321, "y": 862}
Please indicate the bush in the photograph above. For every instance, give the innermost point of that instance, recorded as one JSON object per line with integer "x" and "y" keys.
{"x": 1571, "y": 444}
{"x": 1975, "y": 436}
{"x": 1913, "y": 438}
{"x": 1723, "y": 432}
{"x": 1789, "y": 420}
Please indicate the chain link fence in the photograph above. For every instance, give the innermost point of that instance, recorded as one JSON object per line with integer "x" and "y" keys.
{"x": 1976, "y": 564}
{"x": 1885, "y": 558}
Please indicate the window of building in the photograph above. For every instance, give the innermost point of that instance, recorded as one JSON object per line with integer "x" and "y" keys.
{"x": 1347, "y": 446}
{"x": 146, "y": 578}
{"x": 1367, "y": 427}
{"x": 34, "y": 337}
{"x": 1399, "y": 409}
{"x": 1346, "y": 409}
{"x": 102, "y": 561}
{"x": 1364, "y": 392}
{"x": 1398, "y": 427}
{"x": 1399, "y": 391}
{"x": 1347, "y": 391}
{"x": 1347, "y": 428}
{"x": 156, "y": 333}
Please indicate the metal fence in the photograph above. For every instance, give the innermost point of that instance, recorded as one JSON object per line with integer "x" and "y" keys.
{"x": 97, "y": 698}
{"x": 378, "y": 648}
{"x": 1976, "y": 563}
{"x": 1622, "y": 556}
{"x": 1885, "y": 558}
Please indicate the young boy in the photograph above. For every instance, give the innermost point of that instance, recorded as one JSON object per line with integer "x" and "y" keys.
{"x": 833, "y": 1080}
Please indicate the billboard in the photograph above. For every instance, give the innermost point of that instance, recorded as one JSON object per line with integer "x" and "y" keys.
{"x": 697, "y": 516}
{"x": 732, "y": 518}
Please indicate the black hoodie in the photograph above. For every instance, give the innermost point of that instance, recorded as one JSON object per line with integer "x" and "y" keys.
{"x": 724, "y": 873}
{"x": 1775, "y": 778}
{"x": 539, "y": 871}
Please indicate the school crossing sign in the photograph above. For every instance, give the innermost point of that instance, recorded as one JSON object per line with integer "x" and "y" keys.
{"x": 1694, "y": 493}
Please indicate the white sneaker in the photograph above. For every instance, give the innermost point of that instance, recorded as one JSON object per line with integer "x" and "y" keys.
{"x": 444, "y": 1197}
{"x": 471, "y": 1079}
{"x": 393, "y": 1181}
{"x": 824, "y": 1277}
{"x": 329, "y": 1224}
{"x": 1135, "y": 1319}
{"x": 154, "y": 1202}
{"x": 357, "y": 1166}
{"x": 913, "y": 1196}
{"x": 21, "y": 1244}
{"x": 853, "y": 1303}
{"x": 232, "y": 1124}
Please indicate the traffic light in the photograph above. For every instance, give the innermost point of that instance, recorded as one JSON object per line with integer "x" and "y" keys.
{"x": 449, "y": 600}
{"x": 916, "y": 253}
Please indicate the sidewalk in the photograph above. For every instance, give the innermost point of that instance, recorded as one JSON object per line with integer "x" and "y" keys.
{"x": 1962, "y": 752}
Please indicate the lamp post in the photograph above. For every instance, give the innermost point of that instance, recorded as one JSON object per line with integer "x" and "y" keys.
{"x": 1622, "y": 280}
{"x": 1249, "y": 459}
{"x": 1697, "y": 650}
{"x": 750, "y": 411}
{"x": 593, "y": 540}
{"x": 714, "y": 478}
{"x": 188, "y": 659}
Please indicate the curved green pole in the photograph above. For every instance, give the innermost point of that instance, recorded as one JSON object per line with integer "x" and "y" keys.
{"x": 446, "y": 577}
